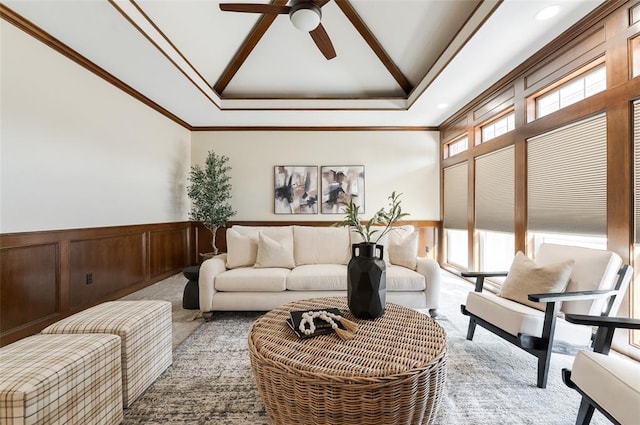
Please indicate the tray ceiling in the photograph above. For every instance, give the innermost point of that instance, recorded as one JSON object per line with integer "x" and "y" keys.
{"x": 398, "y": 62}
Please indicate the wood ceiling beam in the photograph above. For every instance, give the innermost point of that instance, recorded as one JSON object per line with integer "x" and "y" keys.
{"x": 246, "y": 48}
{"x": 375, "y": 45}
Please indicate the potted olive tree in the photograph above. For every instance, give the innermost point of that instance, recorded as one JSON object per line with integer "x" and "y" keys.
{"x": 366, "y": 271}
{"x": 210, "y": 191}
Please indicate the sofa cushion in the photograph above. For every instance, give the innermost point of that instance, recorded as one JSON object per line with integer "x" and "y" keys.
{"x": 244, "y": 279}
{"x": 526, "y": 277}
{"x": 403, "y": 279}
{"x": 318, "y": 277}
{"x": 274, "y": 253}
{"x": 403, "y": 248}
{"x": 242, "y": 243}
{"x": 321, "y": 245}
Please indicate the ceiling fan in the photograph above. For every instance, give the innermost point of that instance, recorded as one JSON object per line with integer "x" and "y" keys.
{"x": 305, "y": 15}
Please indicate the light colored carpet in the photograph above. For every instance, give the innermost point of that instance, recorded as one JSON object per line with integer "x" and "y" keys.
{"x": 489, "y": 381}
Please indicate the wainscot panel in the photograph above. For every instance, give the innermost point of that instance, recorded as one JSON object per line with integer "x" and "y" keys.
{"x": 48, "y": 275}
{"x": 28, "y": 277}
{"x": 100, "y": 267}
{"x": 169, "y": 250}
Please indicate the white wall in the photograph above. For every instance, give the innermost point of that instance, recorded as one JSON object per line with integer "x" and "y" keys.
{"x": 404, "y": 161}
{"x": 77, "y": 152}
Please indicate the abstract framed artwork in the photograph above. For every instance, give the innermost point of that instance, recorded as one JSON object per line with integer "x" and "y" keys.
{"x": 296, "y": 189}
{"x": 341, "y": 184}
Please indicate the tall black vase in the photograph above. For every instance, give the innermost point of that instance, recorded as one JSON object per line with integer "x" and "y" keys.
{"x": 366, "y": 281}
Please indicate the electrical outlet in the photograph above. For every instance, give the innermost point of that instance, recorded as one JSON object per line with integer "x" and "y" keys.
{"x": 89, "y": 279}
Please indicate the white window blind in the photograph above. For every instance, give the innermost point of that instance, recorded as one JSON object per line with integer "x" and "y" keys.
{"x": 495, "y": 191}
{"x": 636, "y": 151}
{"x": 567, "y": 179}
{"x": 455, "y": 197}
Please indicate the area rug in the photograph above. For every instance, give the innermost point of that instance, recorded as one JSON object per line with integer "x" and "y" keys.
{"x": 489, "y": 381}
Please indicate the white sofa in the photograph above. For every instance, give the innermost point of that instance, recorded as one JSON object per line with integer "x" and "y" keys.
{"x": 265, "y": 267}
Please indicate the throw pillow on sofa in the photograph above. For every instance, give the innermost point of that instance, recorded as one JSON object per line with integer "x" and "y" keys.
{"x": 241, "y": 249}
{"x": 403, "y": 249}
{"x": 384, "y": 240}
{"x": 274, "y": 253}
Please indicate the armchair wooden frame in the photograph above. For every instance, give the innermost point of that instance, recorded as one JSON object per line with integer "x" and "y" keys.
{"x": 541, "y": 347}
{"x": 602, "y": 344}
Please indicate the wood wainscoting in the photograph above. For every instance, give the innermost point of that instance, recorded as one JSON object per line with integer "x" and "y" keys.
{"x": 48, "y": 275}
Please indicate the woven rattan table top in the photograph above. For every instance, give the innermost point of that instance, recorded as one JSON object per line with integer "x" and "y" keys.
{"x": 400, "y": 343}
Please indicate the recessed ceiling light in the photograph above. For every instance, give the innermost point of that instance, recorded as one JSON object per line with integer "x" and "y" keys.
{"x": 442, "y": 105}
{"x": 547, "y": 12}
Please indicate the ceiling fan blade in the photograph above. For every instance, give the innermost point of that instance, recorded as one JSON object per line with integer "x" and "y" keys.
{"x": 322, "y": 40}
{"x": 321, "y": 3}
{"x": 254, "y": 8}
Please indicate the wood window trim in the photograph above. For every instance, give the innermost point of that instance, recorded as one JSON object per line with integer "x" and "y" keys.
{"x": 478, "y": 139}
{"x": 445, "y": 145}
{"x": 531, "y": 101}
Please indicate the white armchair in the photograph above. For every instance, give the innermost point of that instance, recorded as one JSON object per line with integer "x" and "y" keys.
{"x": 610, "y": 384}
{"x": 595, "y": 278}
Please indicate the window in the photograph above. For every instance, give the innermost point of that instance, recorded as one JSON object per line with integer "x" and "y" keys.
{"x": 498, "y": 127}
{"x": 567, "y": 179}
{"x": 457, "y": 248}
{"x": 456, "y": 146}
{"x": 594, "y": 242}
{"x": 455, "y": 214}
{"x": 574, "y": 90}
{"x": 496, "y": 251}
{"x": 495, "y": 208}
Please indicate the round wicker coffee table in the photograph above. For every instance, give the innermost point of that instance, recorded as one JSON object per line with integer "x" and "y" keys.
{"x": 392, "y": 372}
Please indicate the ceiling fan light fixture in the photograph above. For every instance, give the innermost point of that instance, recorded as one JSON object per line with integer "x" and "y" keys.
{"x": 305, "y": 16}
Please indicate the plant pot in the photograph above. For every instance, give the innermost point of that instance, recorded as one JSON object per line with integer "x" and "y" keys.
{"x": 366, "y": 281}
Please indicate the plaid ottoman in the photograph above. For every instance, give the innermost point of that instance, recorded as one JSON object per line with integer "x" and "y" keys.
{"x": 61, "y": 379}
{"x": 145, "y": 329}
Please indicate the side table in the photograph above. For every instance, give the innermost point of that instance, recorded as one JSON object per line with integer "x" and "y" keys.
{"x": 191, "y": 295}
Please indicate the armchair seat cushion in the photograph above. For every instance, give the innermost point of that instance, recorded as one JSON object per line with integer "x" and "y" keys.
{"x": 516, "y": 318}
{"x": 621, "y": 394}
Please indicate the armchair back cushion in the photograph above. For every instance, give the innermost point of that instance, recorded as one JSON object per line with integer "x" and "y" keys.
{"x": 593, "y": 269}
